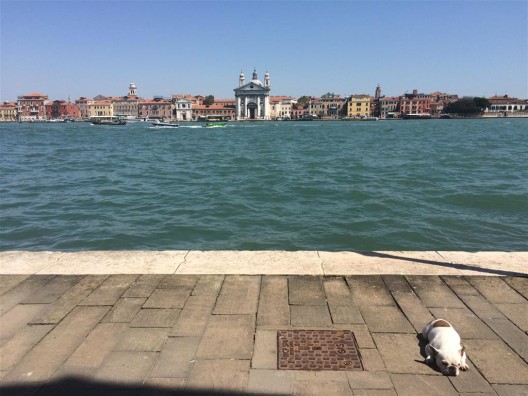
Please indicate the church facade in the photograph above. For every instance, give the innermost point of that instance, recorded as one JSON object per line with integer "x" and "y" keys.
{"x": 252, "y": 100}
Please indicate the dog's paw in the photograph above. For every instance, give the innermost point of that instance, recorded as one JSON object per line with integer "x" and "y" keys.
{"x": 464, "y": 367}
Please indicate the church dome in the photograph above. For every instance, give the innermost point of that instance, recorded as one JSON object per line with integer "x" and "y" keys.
{"x": 255, "y": 79}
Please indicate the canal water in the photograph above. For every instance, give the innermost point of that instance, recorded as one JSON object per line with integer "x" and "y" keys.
{"x": 386, "y": 185}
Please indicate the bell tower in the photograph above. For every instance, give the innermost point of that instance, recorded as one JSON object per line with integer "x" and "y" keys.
{"x": 266, "y": 80}
{"x": 132, "y": 89}
{"x": 377, "y": 95}
{"x": 242, "y": 78}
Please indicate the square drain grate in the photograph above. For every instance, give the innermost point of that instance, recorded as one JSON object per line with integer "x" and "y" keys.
{"x": 317, "y": 350}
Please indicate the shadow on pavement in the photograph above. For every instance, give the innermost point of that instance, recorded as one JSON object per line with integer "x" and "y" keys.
{"x": 443, "y": 264}
{"x": 84, "y": 387}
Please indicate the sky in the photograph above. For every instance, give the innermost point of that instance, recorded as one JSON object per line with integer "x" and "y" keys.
{"x": 75, "y": 48}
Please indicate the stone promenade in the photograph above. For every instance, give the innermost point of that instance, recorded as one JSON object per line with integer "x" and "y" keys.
{"x": 67, "y": 330}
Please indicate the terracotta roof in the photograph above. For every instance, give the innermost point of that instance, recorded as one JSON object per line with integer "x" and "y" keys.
{"x": 360, "y": 96}
{"x": 506, "y": 99}
{"x": 211, "y": 107}
{"x": 9, "y": 106}
{"x": 279, "y": 98}
{"x": 35, "y": 95}
{"x": 154, "y": 101}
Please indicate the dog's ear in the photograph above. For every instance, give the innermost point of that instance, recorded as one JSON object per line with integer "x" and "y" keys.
{"x": 462, "y": 350}
{"x": 433, "y": 350}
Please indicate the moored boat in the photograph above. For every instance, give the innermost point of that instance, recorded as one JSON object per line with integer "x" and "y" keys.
{"x": 417, "y": 116}
{"x": 108, "y": 121}
{"x": 360, "y": 118}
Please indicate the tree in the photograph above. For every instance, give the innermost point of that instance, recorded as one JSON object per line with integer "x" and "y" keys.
{"x": 303, "y": 101}
{"x": 482, "y": 103}
{"x": 464, "y": 106}
{"x": 208, "y": 100}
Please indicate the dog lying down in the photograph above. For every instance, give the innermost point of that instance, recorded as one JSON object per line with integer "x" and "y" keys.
{"x": 444, "y": 347}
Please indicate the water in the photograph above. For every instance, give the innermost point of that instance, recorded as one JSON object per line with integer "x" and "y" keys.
{"x": 387, "y": 185}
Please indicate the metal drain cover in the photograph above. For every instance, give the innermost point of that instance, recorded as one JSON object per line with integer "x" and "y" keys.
{"x": 317, "y": 350}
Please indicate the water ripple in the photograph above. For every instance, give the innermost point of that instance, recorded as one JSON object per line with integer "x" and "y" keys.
{"x": 395, "y": 185}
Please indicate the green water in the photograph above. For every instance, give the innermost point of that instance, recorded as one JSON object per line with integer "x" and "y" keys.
{"x": 386, "y": 185}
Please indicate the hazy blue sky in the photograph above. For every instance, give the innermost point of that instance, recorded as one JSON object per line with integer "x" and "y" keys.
{"x": 86, "y": 48}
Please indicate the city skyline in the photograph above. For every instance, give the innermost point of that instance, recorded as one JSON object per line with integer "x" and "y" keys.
{"x": 87, "y": 48}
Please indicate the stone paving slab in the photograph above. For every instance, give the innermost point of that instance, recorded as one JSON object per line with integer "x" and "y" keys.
{"x": 239, "y": 295}
{"x": 23, "y": 262}
{"x": 273, "y": 309}
{"x": 369, "y": 291}
{"x": 55, "y": 312}
{"x": 378, "y": 263}
{"x": 488, "y": 263}
{"x": 219, "y": 375}
{"x": 218, "y": 333}
{"x": 176, "y": 358}
{"x": 265, "y": 262}
{"x": 7, "y": 282}
{"x": 251, "y": 262}
{"x": 51, "y": 352}
{"x": 486, "y": 353}
{"x": 113, "y": 262}
{"x": 422, "y": 385}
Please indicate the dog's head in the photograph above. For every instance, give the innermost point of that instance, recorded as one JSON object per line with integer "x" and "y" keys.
{"x": 449, "y": 361}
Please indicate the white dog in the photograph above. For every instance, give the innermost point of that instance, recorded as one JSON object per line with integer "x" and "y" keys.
{"x": 444, "y": 347}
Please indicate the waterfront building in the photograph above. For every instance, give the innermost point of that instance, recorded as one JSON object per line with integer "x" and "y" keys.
{"x": 415, "y": 103}
{"x": 439, "y": 100}
{"x": 83, "y": 104}
{"x": 216, "y": 111}
{"x": 298, "y": 112}
{"x": 31, "y": 107}
{"x": 358, "y": 106}
{"x": 62, "y": 109}
{"x": 197, "y": 100}
{"x": 332, "y": 105}
{"x": 127, "y": 106}
{"x": 504, "y": 105}
{"x": 8, "y": 112}
{"x": 281, "y": 107}
{"x": 389, "y": 107}
{"x": 158, "y": 108}
{"x": 316, "y": 107}
{"x": 253, "y": 98}
{"x": 182, "y": 109}
{"x": 101, "y": 108}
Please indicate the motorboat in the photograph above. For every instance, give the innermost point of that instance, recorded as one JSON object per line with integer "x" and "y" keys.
{"x": 166, "y": 124}
{"x": 215, "y": 125}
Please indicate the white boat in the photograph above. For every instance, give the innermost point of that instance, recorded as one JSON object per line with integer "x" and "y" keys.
{"x": 166, "y": 124}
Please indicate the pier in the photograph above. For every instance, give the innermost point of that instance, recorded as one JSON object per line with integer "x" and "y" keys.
{"x": 194, "y": 322}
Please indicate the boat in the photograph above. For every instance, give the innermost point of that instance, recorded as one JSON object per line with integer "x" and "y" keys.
{"x": 360, "y": 118}
{"x": 215, "y": 125}
{"x": 114, "y": 121}
{"x": 166, "y": 124}
{"x": 417, "y": 116}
